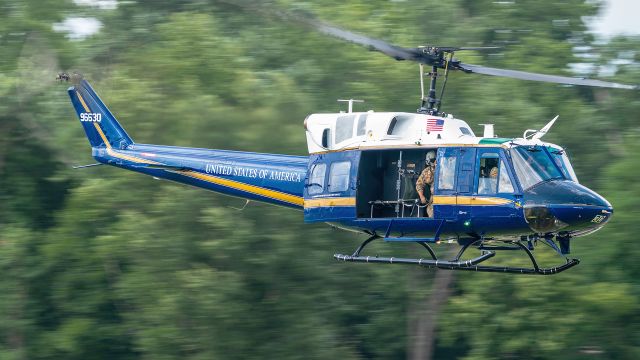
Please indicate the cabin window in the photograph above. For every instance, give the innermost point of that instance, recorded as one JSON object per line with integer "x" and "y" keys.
{"x": 325, "y": 138}
{"x": 344, "y": 128}
{"x": 316, "y": 180}
{"x": 339, "y": 176}
{"x": 465, "y": 131}
{"x": 362, "y": 125}
{"x": 394, "y": 121}
{"x": 400, "y": 125}
{"x": 447, "y": 172}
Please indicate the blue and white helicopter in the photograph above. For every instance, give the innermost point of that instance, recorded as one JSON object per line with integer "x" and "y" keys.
{"x": 489, "y": 193}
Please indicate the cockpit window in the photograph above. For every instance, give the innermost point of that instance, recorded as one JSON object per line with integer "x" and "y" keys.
{"x": 488, "y": 174}
{"x": 562, "y": 160}
{"x": 493, "y": 177}
{"x": 466, "y": 131}
{"x": 505, "y": 185}
{"x": 533, "y": 165}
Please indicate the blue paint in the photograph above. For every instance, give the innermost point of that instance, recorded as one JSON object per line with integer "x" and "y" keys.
{"x": 330, "y": 161}
{"x": 288, "y": 181}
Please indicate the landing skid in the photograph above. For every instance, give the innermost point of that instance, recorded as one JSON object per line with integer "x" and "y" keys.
{"x": 488, "y": 251}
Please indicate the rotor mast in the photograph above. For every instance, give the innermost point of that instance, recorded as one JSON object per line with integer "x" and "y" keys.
{"x": 431, "y": 104}
{"x": 428, "y": 103}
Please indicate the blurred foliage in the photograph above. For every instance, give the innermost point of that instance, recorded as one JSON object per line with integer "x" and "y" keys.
{"x": 98, "y": 263}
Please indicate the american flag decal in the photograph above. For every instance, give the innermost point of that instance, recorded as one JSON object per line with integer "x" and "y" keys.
{"x": 435, "y": 124}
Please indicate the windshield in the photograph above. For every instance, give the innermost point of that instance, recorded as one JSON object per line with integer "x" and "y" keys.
{"x": 533, "y": 165}
{"x": 562, "y": 160}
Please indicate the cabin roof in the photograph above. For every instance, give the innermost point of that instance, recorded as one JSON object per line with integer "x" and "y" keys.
{"x": 361, "y": 130}
{"x": 333, "y": 132}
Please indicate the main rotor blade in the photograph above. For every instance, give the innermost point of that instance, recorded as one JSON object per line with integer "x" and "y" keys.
{"x": 396, "y": 52}
{"x": 523, "y": 75}
{"x": 459, "y": 48}
{"x": 426, "y": 55}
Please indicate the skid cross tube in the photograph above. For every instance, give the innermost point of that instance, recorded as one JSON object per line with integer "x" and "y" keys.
{"x": 429, "y": 249}
{"x": 364, "y": 243}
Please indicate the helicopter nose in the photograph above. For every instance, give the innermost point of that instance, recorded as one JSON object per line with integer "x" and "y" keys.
{"x": 566, "y": 206}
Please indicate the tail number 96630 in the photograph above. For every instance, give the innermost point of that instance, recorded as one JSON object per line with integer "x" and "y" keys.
{"x": 91, "y": 117}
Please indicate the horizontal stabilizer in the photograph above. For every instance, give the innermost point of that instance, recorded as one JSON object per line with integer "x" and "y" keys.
{"x": 162, "y": 167}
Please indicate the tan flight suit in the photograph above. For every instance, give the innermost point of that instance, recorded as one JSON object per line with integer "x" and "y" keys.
{"x": 426, "y": 178}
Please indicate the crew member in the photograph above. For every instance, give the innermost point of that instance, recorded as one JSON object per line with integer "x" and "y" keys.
{"x": 493, "y": 174}
{"x": 426, "y": 179}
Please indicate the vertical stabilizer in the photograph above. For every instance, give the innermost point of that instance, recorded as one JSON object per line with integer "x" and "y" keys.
{"x": 101, "y": 126}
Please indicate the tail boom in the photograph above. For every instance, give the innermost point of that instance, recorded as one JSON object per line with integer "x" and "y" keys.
{"x": 271, "y": 178}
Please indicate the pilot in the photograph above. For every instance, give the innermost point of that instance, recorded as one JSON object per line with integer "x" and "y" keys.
{"x": 493, "y": 174}
{"x": 493, "y": 179}
{"x": 426, "y": 178}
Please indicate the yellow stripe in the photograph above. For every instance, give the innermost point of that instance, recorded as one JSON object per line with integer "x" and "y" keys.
{"x": 444, "y": 200}
{"x": 113, "y": 153}
{"x": 110, "y": 151}
{"x": 472, "y": 200}
{"x": 131, "y": 158}
{"x": 82, "y": 101}
{"x": 95, "y": 124}
{"x": 469, "y": 200}
{"x": 292, "y": 199}
{"x": 104, "y": 138}
{"x": 324, "y": 202}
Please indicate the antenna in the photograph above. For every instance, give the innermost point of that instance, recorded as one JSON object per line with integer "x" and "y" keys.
{"x": 545, "y": 129}
{"x": 537, "y": 134}
{"x": 350, "y": 101}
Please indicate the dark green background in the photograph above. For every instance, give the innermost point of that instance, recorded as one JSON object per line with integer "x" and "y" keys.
{"x": 103, "y": 264}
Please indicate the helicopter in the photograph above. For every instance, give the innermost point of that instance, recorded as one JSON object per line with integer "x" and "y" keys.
{"x": 491, "y": 194}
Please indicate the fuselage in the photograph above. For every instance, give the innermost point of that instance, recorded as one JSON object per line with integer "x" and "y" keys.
{"x": 362, "y": 170}
{"x": 372, "y": 191}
